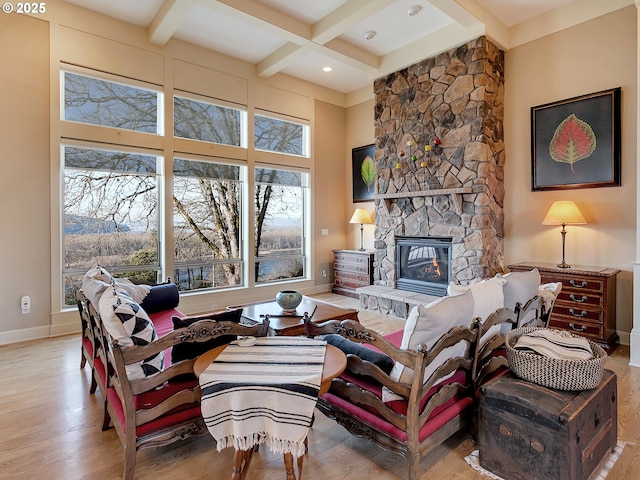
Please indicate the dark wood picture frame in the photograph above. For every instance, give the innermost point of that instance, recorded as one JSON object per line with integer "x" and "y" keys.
{"x": 363, "y": 188}
{"x": 575, "y": 143}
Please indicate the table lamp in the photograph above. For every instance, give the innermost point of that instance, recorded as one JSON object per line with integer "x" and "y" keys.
{"x": 361, "y": 216}
{"x": 563, "y": 213}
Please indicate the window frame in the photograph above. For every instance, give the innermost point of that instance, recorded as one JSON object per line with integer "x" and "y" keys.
{"x": 120, "y": 80}
{"x": 243, "y": 247}
{"x": 306, "y": 132}
{"x": 244, "y": 116}
{"x": 160, "y": 224}
{"x": 304, "y": 256}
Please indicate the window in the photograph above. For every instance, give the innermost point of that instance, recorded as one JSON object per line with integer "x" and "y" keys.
{"x": 110, "y": 104}
{"x": 143, "y": 216}
{"x": 207, "y": 223}
{"x": 281, "y": 135}
{"x": 209, "y": 122}
{"x": 110, "y": 214}
{"x": 280, "y": 203}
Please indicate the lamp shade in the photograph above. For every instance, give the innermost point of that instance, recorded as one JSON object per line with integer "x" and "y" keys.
{"x": 564, "y": 212}
{"x": 361, "y": 216}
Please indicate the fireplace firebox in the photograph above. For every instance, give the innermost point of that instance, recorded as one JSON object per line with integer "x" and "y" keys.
{"x": 423, "y": 264}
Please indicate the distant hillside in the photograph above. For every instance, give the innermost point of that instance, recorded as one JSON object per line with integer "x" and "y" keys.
{"x": 77, "y": 224}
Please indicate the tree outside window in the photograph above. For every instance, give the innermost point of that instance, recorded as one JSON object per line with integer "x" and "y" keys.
{"x": 112, "y": 194}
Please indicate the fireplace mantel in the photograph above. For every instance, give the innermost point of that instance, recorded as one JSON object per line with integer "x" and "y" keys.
{"x": 455, "y": 194}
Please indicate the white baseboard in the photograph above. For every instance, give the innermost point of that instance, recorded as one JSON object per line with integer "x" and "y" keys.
{"x": 24, "y": 334}
{"x": 625, "y": 338}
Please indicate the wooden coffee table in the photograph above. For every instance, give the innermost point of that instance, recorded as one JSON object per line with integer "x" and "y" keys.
{"x": 281, "y": 323}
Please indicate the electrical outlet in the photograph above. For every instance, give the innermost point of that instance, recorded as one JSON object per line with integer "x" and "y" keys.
{"x": 25, "y": 304}
{"x": 214, "y": 306}
{"x": 324, "y": 273}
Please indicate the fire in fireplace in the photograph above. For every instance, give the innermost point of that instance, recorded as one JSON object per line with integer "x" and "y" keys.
{"x": 423, "y": 264}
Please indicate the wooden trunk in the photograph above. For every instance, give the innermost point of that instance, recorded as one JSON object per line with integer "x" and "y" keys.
{"x": 527, "y": 431}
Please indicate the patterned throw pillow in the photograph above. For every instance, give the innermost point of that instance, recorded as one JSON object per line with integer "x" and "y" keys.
{"x": 127, "y": 322}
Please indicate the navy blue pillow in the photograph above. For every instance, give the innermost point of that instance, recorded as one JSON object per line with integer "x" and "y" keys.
{"x": 190, "y": 350}
{"x": 382, "y": 361}
{"x": 160, "y": 298}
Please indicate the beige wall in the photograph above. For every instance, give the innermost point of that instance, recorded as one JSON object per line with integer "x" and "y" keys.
{"x": 594, "y": 56}
{"x": 360, "y": 132}
{"x": 25, "y": 261}
{"x": 30, "y": 163}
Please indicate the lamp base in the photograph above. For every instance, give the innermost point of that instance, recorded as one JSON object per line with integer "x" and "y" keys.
{"x": 563, "y": 265}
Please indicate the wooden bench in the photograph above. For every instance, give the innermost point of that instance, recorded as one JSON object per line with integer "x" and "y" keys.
{"x": 430, "y": 410}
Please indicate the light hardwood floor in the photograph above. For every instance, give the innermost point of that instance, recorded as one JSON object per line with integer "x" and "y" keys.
{"x": 50, "y": 428}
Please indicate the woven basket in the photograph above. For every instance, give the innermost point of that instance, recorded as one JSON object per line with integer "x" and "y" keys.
{"x": 554, "y": 373}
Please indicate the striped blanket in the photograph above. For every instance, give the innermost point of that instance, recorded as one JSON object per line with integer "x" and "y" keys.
{"x": 263, "y": 394}
{"x": 555, "y": 344}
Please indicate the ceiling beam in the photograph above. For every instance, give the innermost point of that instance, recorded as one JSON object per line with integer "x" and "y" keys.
{"x": 167, "y": 20}
{"x": 279, "y": 60}
{"x": 345, "y": 17}
{"x": 465, "y": 12}
{"x": 265, "y": 18}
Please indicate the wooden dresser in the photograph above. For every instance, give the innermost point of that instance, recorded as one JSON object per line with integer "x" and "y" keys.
{"x": 351, "y": 269}
{"x": 587, "y": 303}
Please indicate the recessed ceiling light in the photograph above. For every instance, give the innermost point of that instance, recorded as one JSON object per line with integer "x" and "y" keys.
{"x": 327, "y": 69}
{"x": 414, "y": 10}
{"x": 368, "y": 35}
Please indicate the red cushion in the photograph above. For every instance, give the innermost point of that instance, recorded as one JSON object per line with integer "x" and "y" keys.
{"x": 439, "y": 417}
{"x": 101, "y": 371}
{"x": 400, "y": 406}
{"x": 155, "y": 397}
{"x": 162, "y": 320}
{"x": 395, "y": 337}
{"x": 163, "y": 324}
{"x": 88, "y": 346}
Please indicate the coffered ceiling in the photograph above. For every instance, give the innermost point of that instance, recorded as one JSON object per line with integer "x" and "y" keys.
{"x": 301, "y": 37}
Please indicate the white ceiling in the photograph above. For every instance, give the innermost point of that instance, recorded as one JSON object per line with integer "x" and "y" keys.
{"x": 299, "y": 37}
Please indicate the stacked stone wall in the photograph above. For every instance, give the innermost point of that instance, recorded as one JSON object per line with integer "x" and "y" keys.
{"x": 453, "y": 103}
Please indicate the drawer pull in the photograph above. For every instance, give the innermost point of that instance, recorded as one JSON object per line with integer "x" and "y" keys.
{"x": 580, "y": 300}
{"x": 581, "y": 329}
{"x": 582, "y": 285}
{"x": 581, "y": 314}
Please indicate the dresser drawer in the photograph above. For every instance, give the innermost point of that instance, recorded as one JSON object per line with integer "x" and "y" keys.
{"x": 593, "y": 331}
{"x": 575, "y": 283}
{"x": 582, "y": 313}
{"x": 575, "y": 298}
{"x": 351, "y": 267}
{"x": 358, "y": 279}
{"x": 349, "y": 283}
{"x": 351, "y": 258}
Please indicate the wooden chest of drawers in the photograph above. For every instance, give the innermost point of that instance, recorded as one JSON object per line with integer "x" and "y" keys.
{"x": 529, "y": 432}
{"x": 587, "y": 303}
{"x": 351, "y": 269}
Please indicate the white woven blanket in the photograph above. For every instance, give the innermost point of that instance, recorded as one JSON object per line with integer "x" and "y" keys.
{"x": 263, "y": 394}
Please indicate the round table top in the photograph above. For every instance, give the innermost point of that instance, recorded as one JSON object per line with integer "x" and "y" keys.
{"x": 335, "y": 361}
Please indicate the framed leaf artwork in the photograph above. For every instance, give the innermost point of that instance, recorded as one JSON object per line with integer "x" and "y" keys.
{"x": 575, "y": 143}
{"x": 363, "y": 173}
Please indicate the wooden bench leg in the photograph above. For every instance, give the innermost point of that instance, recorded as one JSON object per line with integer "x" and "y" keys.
{"x": 288, "y": 463}
{"x": 288, "y": 466}
{"x": 241, "y": 461}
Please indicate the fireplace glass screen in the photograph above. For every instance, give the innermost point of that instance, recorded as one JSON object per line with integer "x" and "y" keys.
{"x": 423, "y": 264}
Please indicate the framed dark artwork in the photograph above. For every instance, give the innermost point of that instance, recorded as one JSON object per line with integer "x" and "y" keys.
{"x": 575, "y": 143}
{"x": 363, "y": 169}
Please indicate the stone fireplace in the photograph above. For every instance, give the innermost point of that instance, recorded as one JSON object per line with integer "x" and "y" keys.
{"x": 440, "y": 164}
